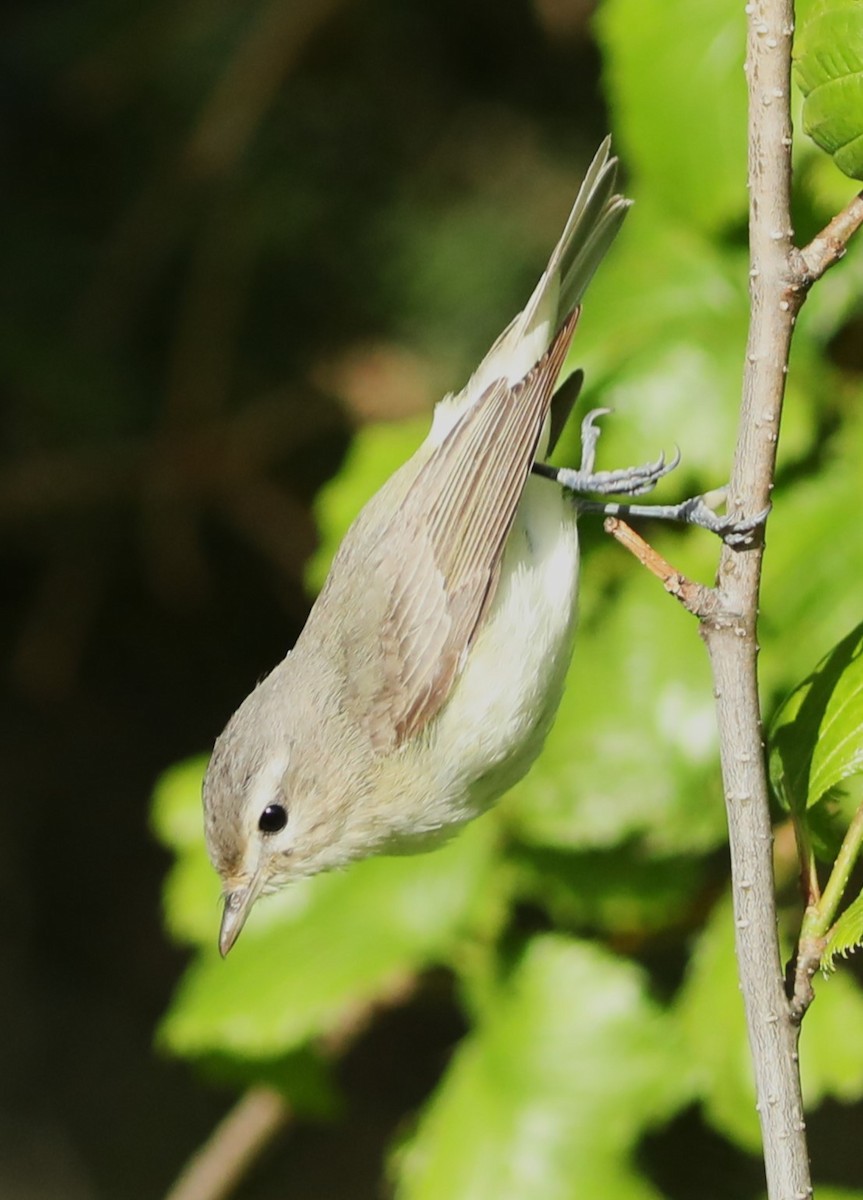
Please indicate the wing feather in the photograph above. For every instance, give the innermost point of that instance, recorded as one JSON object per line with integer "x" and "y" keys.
{"x": 416, "y": 588}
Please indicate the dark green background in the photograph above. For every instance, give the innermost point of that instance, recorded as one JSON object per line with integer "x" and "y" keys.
{"x": 231, "y": 234}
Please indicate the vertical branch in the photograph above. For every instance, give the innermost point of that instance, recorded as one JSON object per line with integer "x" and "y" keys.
{"x": 730, "y": 634}
{"x": 780, "y": 277}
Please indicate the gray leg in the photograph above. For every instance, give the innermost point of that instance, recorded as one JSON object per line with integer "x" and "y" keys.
{"x": 630, "y": 481}
{"x": 635, "y": 481}
{"x": 694, "y": 511}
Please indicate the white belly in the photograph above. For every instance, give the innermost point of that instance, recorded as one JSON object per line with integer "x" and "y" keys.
{"x": 502, "y": 708}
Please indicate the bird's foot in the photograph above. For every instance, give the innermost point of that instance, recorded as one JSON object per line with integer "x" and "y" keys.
{"x": 635, "y": 481}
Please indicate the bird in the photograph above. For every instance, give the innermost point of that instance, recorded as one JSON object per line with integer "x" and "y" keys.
{"x": 432, "y": 664}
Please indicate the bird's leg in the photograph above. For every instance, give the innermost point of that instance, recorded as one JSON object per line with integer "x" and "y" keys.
{"x": 694, "y": 511}
{"x": 630, "y": 481}
{"x": 635, "y": 481}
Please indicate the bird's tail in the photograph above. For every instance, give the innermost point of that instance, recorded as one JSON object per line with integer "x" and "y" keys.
{"x": 593, "y": 224}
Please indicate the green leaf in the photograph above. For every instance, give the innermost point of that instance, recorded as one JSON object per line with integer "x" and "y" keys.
{"x": 633, "y": 751}
{"x": 674, "y": 76}
{"x": 828, "y": 68}
{"x": 176, "y": 814}
{"x": 325, "y": 949}
{"x": 549, "y": 1096}
{"x": 710, "y": 1010}
{"x": 807, "y": 609}
{"x": 304, "y": 1078}
{"x": 623, "y": 890}
{"x": 191, "y": 893}
{"x": 817, "y": 735}
{"x": 828, "y": 819}
{"x": 845, "y": 936}
{"x": 376, "y": 452}
{"x": 831, "y": 1042}
{"x": 839, "y": 750}
{"x": 661, "y": 342}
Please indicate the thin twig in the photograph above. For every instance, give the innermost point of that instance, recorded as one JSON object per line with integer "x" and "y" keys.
{"x": 232, "y": 1147}
{"x": 694, "y": 597}
{"x": 827, "y": 247}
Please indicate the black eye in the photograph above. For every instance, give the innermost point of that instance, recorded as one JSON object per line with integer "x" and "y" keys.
{"x": 272, "y": 819}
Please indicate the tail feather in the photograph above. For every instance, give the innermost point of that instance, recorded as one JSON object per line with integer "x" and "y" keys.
{"x": 595, "y": 220}
{"x": 592, "y": 225}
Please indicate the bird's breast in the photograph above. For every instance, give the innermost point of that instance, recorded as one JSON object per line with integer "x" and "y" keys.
{"x": 503, "y": 704}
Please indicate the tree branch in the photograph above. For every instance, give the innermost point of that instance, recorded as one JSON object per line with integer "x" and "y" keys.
{"x": 695, "y": 597}
{"x": 780, "y": 276}
{"x": 829, "y": 245}
{"x": 731, "y": 634}
{"x": 233, "y": 1146}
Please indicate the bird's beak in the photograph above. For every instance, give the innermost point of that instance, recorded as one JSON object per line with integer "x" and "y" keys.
{"x": 238, "y": 905}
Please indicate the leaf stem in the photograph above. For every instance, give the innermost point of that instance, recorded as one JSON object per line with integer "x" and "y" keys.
{"x": 809, "y": 884}
{"x": 820, "y": 916}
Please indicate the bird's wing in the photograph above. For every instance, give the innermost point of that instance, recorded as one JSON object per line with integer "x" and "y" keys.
{"x": 416, "y": 579}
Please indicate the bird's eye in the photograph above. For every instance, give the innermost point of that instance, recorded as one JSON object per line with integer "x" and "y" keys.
{"x": 273, "y": 818}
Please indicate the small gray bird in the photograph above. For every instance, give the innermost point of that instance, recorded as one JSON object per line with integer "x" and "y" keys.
{"x": 432, "y": 664}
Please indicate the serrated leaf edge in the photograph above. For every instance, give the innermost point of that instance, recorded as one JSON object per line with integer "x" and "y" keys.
{"x": 841, "y": 939}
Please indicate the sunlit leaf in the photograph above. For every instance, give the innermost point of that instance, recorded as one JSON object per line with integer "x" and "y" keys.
{"x": 710, "y": 1010}
{"x": 828, "y": 68}
{"x": 661, "y": 341}
{"x": 633, "y": 751}
{"x": 817, "y": 736}
{"x": 376, "y": 452}
{"x": 845, "y": 936}
{"x": 674, "y": 74}
{"x": 324, "y": 949}
{"x": 176, "y": 811}
{"x": 548, "y": 1097}
{"x": 192, "y": 890}
{"x": 830, "y": 1067}
{"x": 814, "y": 560}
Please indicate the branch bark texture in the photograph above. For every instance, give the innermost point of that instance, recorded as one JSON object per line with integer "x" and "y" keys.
{"x": 780, "y": 276}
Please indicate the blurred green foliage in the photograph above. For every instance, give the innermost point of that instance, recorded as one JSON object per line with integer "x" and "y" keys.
{"x": 585, "y": 922}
